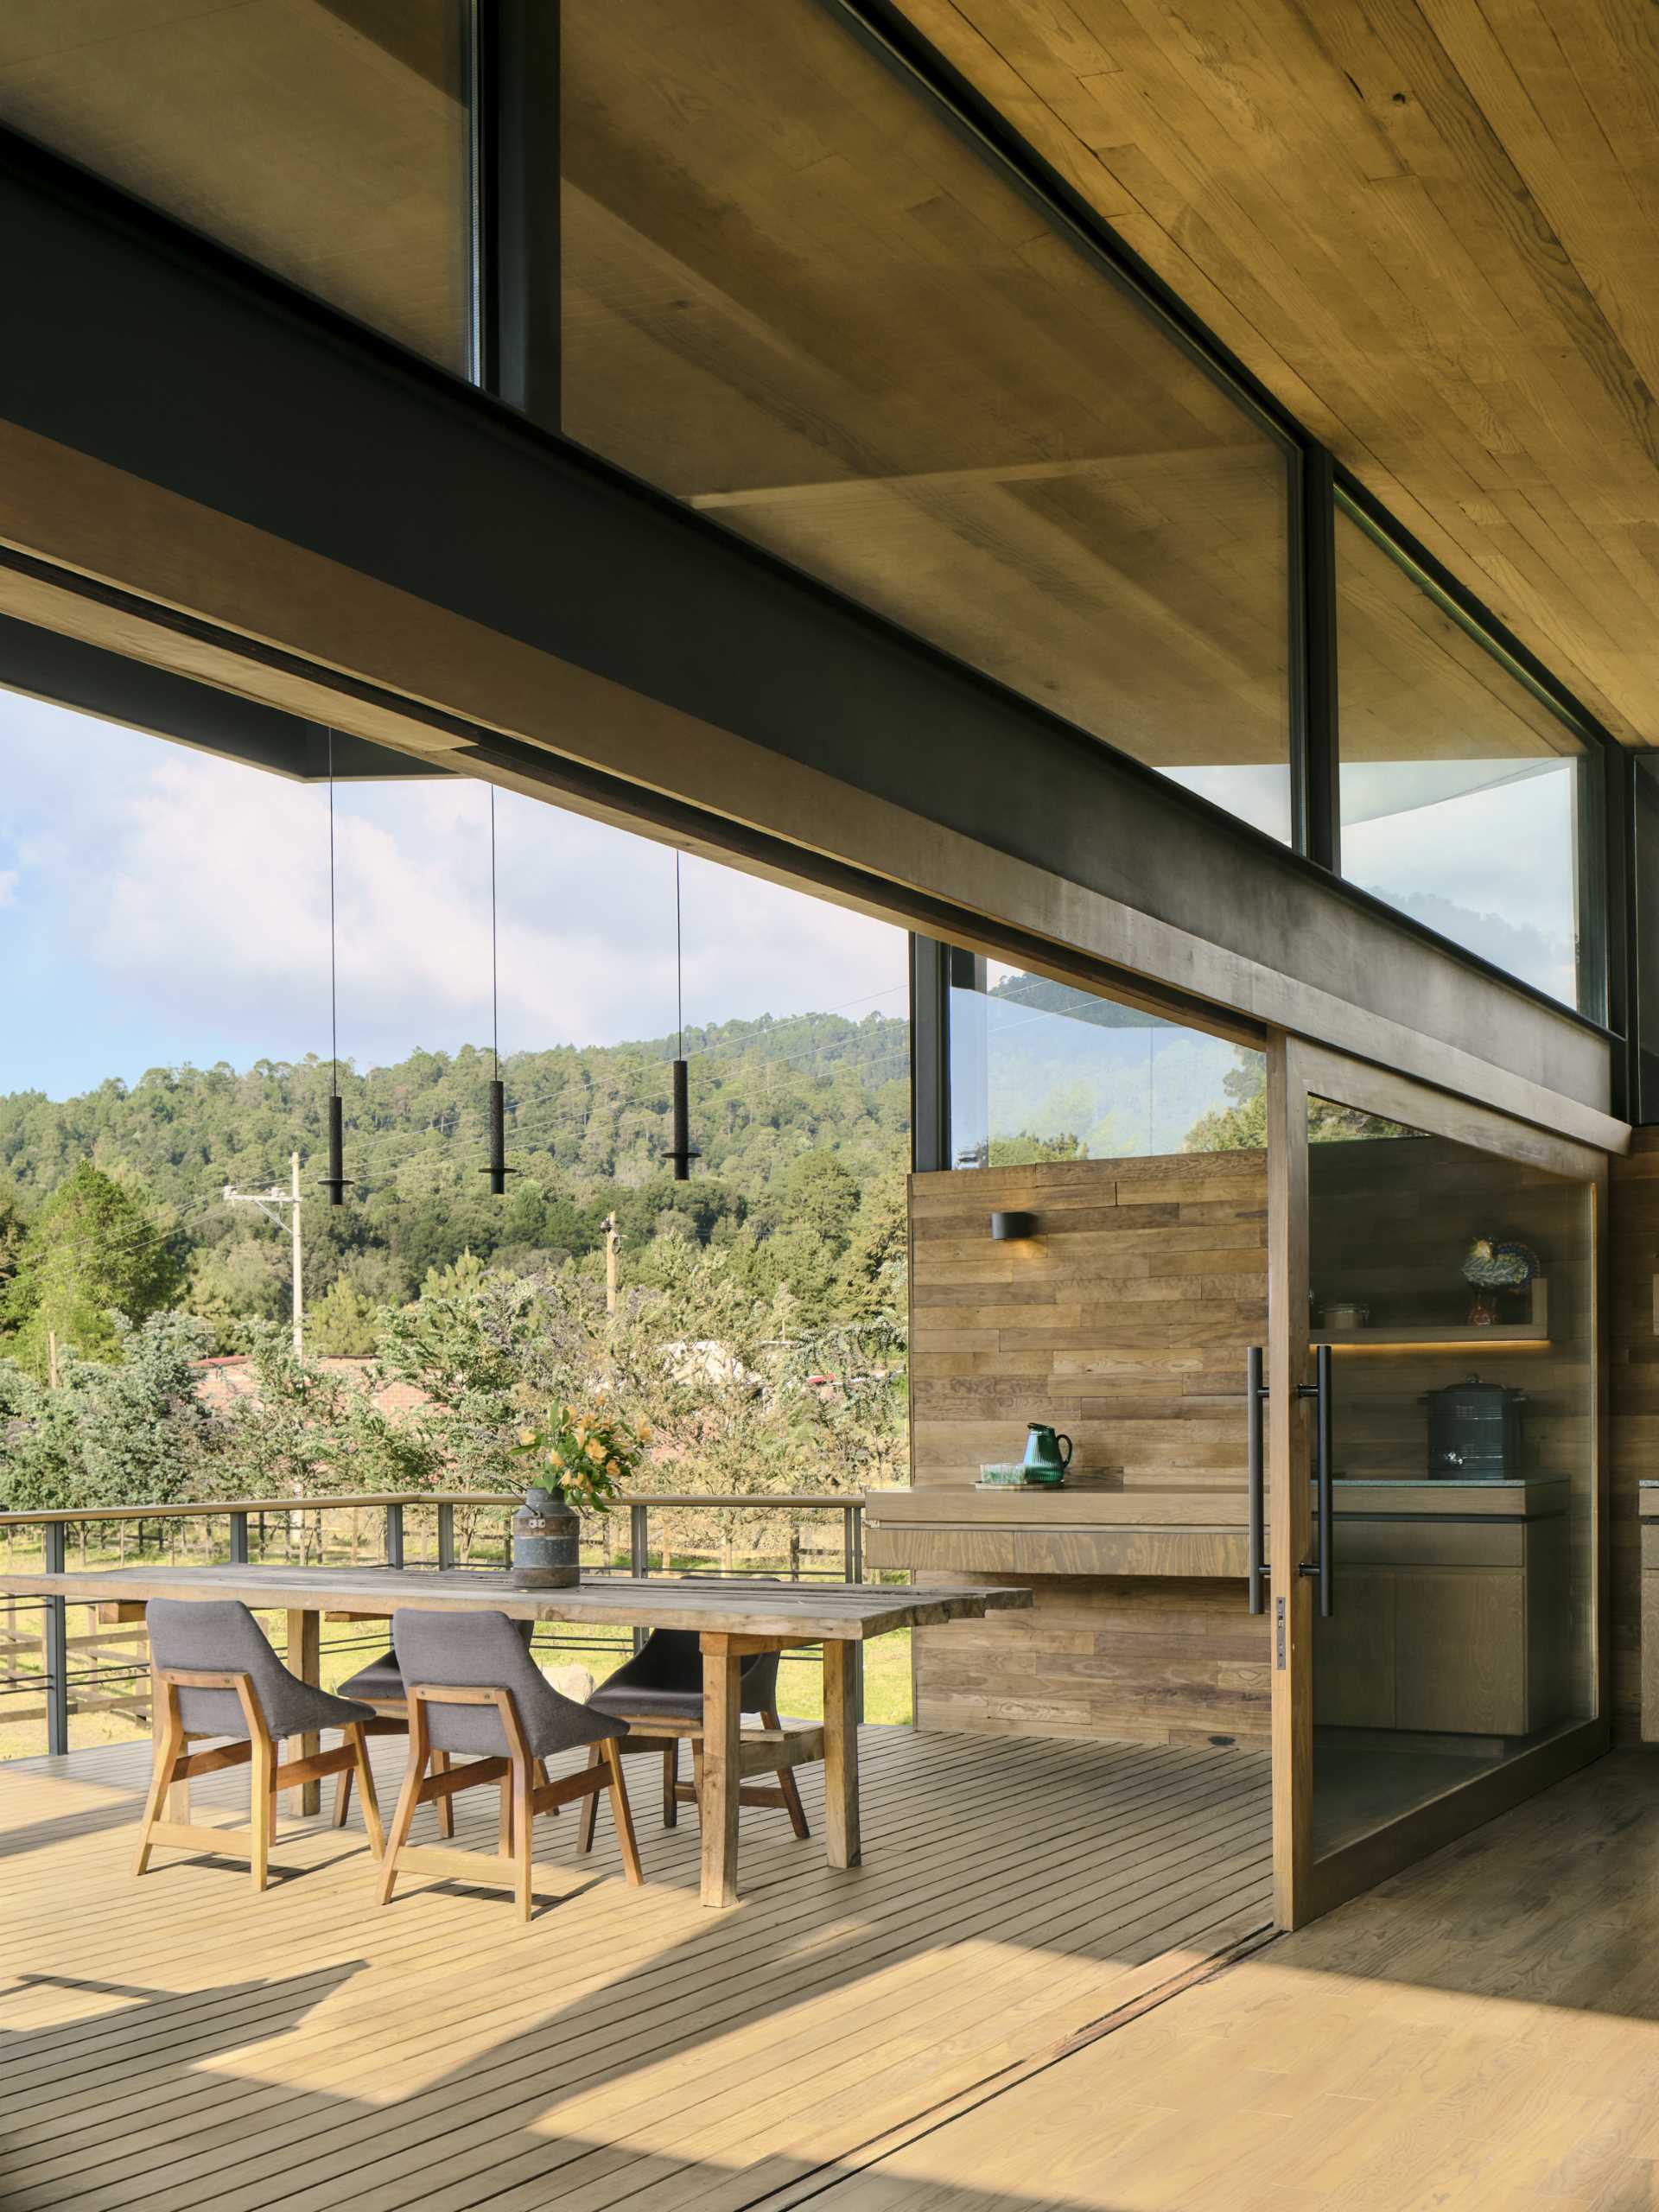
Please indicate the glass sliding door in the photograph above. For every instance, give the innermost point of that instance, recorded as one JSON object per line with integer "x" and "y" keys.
{"x": 1433, "y": 1399}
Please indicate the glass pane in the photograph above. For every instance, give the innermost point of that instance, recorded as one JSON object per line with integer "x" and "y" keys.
{"x": 1646, "y": 811}
{"x": 1042, "y": 1070}
{"x": 1463, "y": 795}
{"x": 797, "y": 298}
{"x": 1455, "y": 1288}
{"x": 328, "y": 142}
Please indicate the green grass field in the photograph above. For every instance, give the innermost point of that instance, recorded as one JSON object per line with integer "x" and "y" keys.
{"x": 346, "y": 1645}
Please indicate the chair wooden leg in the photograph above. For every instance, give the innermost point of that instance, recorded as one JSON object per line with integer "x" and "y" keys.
{"x": 523, "y": 1824}
{"x": 446, "y": 1806}
{"x": 263, "y": 1808}
{"x": 671, "y": 1783}
{"x": 169, "y": 1742}
{"x": 359, "y": 1744}
{"x": 403, "y": 1819}
{"x": 342, "y": 1797}
{"x": 504, "y": 1826}
{"x": 542, "y": 1777}
{"x": 589, "y": 1818}
{"x": 619, "y": 1811}
{"x": 787, "y": 1783}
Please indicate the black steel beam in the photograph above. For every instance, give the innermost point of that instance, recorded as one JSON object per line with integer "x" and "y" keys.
{"x": 171, "y": 357}
{"x": 515, "y": 180}
{"x": 1322, "y": 817}
{"x": 71, "y": 673}
{"x": 930, "y": 1055}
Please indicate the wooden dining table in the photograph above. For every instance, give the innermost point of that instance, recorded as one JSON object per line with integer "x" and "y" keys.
{"x": 733, "y": 1618}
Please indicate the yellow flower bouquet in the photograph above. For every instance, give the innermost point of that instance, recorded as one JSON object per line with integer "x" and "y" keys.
{"x": 584, "y": 1453}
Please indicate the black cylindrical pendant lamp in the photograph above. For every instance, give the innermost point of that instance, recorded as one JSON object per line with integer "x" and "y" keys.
{"x": 498, "y": 1170}
{"x": 681, "y": 1151}
{"x": 336, "y": 1182}
{"x": 496, "y": 1166}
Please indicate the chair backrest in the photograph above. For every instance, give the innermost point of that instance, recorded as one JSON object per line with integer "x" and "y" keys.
{"x": 216, "y": 1636}
{"x": 468, "y": 1650}
{"x": 671, "y": 1658}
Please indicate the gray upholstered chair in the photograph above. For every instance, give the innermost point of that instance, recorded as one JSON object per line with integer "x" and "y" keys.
{"x": 473, "y": 1690}
{"x": 659, "y": 1693}
{"x": 379, "y": 1685}
{"x": 214, "y": 1673}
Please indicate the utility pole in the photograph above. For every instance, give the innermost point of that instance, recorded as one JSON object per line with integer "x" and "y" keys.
{"x": 611, "y": 1239}
{"x": 269, "y": 1202}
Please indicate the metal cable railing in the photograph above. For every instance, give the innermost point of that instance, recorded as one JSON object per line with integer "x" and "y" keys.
{"x": 49, "y": 1674}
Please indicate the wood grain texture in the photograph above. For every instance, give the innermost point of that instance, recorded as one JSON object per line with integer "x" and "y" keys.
{"x": 1124, "y": 1322}
{"x": 178, "y": 2042}
{"x": 1428, "y": 227}
{"x": 1633, "y": 1271}
{"x": 1477, "y": 2035}
{"x": 778, "y": 1613}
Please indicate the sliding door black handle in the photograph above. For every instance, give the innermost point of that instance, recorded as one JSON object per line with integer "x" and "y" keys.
{"x": 1324, "y": 1568}
{"x": 1255, "y": 1393}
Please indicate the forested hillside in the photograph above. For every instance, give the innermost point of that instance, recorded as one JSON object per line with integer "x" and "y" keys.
{"x": 801, "y": 1124}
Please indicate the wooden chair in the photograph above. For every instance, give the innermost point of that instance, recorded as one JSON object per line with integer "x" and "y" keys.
{"x": 659, "y": 1693}
{"x": 473, "y": 1689}
{"x": 379, "y": 1685}
{"x": 215, "y": 1675}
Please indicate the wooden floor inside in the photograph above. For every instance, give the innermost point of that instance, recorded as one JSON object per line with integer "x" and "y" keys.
{"x": 180, "y": 2041}
{"x": 1481, "y": 2035}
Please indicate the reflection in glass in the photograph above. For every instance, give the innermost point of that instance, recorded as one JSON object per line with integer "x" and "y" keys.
{"x": 795, "y": 296}
{"x": 329, "y": 142}
{"x": 1042, "y": 1070}
{"x": 1462, "y": 794}
{"x": 1455, "y": 1288}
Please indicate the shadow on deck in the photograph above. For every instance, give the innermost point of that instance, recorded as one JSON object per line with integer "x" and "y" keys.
{"x": 180, "y": 2042}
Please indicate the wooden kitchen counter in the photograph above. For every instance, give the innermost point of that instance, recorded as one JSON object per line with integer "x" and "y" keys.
{"x": 947, "y": 1529}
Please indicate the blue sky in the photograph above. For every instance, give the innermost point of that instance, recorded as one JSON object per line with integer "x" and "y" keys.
{"x": 158, "y": 905}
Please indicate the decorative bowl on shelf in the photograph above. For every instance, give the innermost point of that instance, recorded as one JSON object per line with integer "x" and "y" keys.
{"x": 1346, "y": 1314}
{"x": 1001, "y": 1475}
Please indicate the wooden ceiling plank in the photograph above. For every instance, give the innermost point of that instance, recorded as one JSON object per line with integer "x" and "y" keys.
{"x": 1472, "y": 334}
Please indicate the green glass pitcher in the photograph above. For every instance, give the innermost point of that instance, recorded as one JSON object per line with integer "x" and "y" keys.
{"x": 1048, "y": 1454}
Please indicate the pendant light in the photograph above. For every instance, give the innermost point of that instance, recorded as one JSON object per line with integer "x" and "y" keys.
{"x": 336, "y": 1181}
{"x": 497, "y": 1170}
{"x": 680, "y": 1151}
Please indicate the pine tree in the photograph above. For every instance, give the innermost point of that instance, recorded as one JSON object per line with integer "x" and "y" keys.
{"x": 92, "y": 1253}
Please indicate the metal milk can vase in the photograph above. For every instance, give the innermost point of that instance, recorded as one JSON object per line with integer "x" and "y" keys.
{"x": 546, "y": 1537}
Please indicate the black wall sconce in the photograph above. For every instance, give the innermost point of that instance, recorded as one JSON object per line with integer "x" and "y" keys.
{"x": 1005, "y": 1226}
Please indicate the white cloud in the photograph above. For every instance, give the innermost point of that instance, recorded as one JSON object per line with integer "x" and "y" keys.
{"x": 179, "y": 904}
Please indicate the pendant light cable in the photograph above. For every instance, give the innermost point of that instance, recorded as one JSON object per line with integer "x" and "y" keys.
{"x": 680, "y": 1151}
{"x": 334, "y": 978}
{"x": 334, "y": 1182}
{"x": 679, "y": 966}
{"x": 495, "y": 987}
{"x": 496, "y": 1166}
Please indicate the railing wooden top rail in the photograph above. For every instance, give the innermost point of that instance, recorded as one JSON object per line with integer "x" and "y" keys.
{"x": 791, "y": 1500}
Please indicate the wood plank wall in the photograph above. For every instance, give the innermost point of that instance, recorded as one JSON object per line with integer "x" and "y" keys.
{"x": 1633, "y": 1340}
{"x": 1125, "y": 1323}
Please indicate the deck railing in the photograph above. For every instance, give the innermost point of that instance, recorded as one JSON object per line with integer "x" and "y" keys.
{"x": 458, "y": 1529}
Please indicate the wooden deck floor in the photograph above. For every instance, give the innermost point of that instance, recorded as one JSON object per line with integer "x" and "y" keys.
{"x": 1481, "y": 2035}
{"x": 180, "y": 2042}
